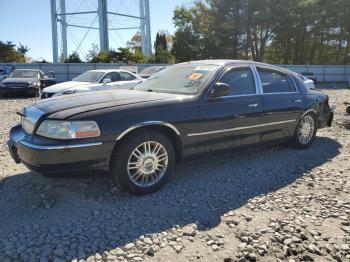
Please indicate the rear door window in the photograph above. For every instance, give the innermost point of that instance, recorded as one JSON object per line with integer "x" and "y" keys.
{"x": 124, "y": 76}
{"x": 275, "y": 82}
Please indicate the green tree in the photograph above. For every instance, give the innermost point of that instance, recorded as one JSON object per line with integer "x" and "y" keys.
{"x": 73, "y": 58}
{"x": 275, "y": 31}
{"x": 22, "y": 49}
{"x": 93, "y": 52}
{"x": 123, "y": 55}
{"x": 162, "y": 54}
{"x": 9, "y": 53}
{"x": 186, "y": 42}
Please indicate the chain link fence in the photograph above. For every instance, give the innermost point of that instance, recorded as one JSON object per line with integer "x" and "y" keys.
{"x": 65, "y": 72}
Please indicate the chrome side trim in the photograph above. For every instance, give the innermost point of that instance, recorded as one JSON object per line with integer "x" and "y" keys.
{"x": 148, "y": 123}
{"x": 308, "y": 111}
{"x": 240, "y": 128}
{"x": 40, "y": 147}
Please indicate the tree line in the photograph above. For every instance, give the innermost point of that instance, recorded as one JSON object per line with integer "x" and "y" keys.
{"x": 131, "y": 54}
{"x": 273, "y": 31}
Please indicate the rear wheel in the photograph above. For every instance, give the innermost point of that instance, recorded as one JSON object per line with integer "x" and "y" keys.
{"x": 143, "y": 162}
{"x": 305, "y": 132}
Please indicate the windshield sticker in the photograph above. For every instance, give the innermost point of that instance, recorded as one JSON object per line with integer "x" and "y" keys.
{"x": 195, "y": 76}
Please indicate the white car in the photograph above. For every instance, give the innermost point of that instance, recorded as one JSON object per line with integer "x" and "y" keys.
{"x": 308, "y": 82}
{"x": 94, "y": 80}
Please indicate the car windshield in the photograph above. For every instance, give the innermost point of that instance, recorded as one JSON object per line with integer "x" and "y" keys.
{"x": 151, "y": 70}
{"x": 89, "y": 76}
{"x": 24, "y": 74}
{"x": 179, "y": 79}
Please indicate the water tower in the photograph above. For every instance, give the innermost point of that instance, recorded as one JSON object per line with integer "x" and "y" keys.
{"x": 97, "y": 17}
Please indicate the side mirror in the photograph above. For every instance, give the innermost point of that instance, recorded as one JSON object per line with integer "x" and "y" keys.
{"x": 50, "y": 74}
{"x": 107, "y": 80}
{"x": 219, "y": 90}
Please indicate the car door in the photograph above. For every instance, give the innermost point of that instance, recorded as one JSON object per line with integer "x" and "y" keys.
{"x": 128, "y": 80}
{"x": 114, "y": 81}
{"x": 230, "y": 121}
{"x": 283, "y": 103}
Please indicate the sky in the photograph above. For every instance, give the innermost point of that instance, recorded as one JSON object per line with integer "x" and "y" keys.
{"x": 28, "y": 22}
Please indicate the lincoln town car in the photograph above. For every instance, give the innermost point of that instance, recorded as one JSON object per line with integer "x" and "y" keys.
{"x": 184, "y": 110}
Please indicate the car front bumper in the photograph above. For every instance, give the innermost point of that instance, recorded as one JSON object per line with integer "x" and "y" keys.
{"x": 49, "y": 156}
{"x": 19, "y": 90}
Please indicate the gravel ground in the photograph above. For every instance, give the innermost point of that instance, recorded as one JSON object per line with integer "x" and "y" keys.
{"x": 266, "y": 204}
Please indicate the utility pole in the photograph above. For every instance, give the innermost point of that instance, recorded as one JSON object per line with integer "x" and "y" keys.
{"x": 148, "y": 29}
{"x": 142, "y": 27}
{"x": 64, "y": 30}
{"x": 54, "y": 31}
{"x": 103, "y": 24}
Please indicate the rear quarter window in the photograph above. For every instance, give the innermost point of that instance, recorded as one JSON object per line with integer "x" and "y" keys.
{"x": 275, "y": 82}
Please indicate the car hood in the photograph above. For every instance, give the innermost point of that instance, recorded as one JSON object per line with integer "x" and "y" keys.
{"x": 83, "y": 102}
{"x": 64, "y": 86}
{"x": 19, "y": 80}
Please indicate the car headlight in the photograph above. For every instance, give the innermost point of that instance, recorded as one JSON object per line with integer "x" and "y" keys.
{"x": 57, "y": 129}
{"x": 33, "y": 84}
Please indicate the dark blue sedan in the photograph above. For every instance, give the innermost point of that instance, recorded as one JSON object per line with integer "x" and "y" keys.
{"x": 184, "y": 110}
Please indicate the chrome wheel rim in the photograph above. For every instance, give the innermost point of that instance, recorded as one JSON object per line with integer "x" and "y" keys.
{"x": 147, "y": 164}
{"x": 306, "y": 129}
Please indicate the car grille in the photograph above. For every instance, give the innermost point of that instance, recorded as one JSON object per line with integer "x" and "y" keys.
{"x": 16, "y": 84}
{"x": 30, "y": 117}
{"x": 46, "y": 95}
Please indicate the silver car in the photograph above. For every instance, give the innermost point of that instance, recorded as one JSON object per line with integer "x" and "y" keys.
{"x": 94, "y": 80}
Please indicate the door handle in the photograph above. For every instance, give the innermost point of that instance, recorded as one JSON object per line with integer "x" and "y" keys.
{"x": 297, "y": 101}
{"x": 253, "y": 105}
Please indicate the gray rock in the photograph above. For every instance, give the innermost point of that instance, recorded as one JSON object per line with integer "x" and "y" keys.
{"x": 129, "y": 246}
{"x": 215, "y": 247}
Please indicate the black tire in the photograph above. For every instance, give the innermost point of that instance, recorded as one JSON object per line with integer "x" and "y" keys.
{"x": 297, "y": 141}
{"x": 123, "y": 151}
{"x": 348, "y": 110}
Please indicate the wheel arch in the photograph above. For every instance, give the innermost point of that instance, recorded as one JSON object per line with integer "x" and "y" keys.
{"x": 313, "y": 111}
{"x": 167, "y": 129}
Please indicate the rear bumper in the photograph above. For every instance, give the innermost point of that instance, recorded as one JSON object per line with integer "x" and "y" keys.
{"x": 57, "y": 157}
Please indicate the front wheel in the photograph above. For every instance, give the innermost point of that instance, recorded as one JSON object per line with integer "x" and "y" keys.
{"x": 305, "y": 132}
{"x": 143, "y": 162}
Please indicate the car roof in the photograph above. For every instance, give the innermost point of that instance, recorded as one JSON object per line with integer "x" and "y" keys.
{"x": 24, "y": 69}
{"x": 228, "y": 62}
{"x": 110, "y": 70}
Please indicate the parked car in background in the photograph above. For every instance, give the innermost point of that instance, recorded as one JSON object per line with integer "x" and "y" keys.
{"x": 149, "y": 71}
{"x": 94, "y": 80}
{"x": 5, "y": 71}
{"x": 187, "y": 109}
{"x": 311, "y": 76}
{"x": 308, "y": 82}
{"x": 25, "y": 82}
{"x": 129, "y": 68}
